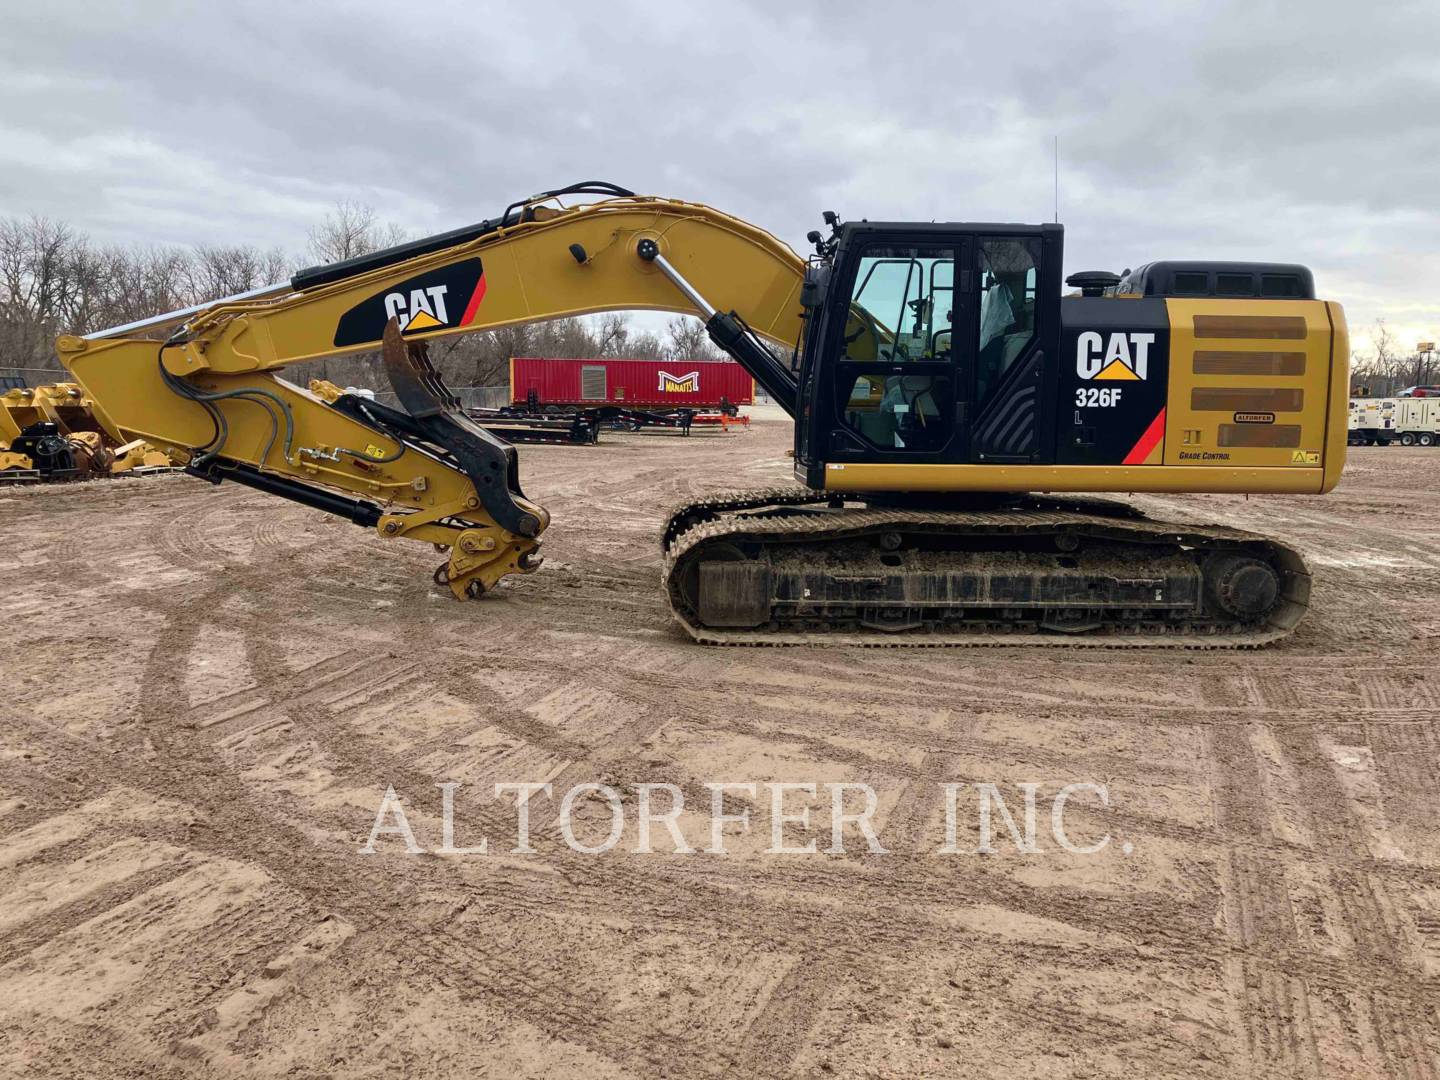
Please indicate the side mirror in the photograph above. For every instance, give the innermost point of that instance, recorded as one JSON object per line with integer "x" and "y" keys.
{"x": 812, "y": 292}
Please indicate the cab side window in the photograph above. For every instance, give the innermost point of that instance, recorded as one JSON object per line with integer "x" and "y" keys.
{"x": 1009, "y": 269}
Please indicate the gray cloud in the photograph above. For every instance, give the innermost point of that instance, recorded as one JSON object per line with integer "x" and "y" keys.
{"x": 1279, "y": 130}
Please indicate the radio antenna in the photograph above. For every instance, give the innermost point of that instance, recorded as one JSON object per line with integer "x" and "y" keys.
{"x": 1057, "y": 179}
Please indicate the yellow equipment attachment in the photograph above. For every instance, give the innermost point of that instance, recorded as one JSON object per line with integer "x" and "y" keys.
{"x": 18, "y": 410}
{"x": 89, "y": 449}
{"x": 139, "y": 455}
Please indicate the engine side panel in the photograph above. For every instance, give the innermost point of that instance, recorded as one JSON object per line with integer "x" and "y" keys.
{"x": 1252, "y": 384}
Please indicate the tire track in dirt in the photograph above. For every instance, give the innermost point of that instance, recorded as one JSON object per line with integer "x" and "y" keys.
{"x": 335, "y": 883}
{"x": 19, "y": 940}
{"x": 548, "y": 1005}
{"x": 775, "y": 1037}
{"x": 392, "y": 769}
{"x": 1247, "y": 833}
{"x": 1274, "y": 975}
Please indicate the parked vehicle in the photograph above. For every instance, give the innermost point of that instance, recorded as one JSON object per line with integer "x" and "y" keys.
{"x": 1417, "y": 420}
{"x": 1372, "y": 421}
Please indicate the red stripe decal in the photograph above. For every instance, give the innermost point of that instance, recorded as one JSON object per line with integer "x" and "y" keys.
{"x": 1153, "y": 434}
{"x": 474, "y": 304}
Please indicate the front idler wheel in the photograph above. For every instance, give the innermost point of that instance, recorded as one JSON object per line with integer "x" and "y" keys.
{"x": 1242, "y": 586}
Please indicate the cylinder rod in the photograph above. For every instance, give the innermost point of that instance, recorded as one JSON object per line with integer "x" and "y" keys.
{"x": 280, "y": 289}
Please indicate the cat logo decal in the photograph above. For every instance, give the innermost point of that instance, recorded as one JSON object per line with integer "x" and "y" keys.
{"x": 1122, "y": 357}
{"x": 446, "y": 298}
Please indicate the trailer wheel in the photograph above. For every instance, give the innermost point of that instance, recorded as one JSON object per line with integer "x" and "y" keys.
{"x": 1426, "y": 439}
{"x": 1407, "y": 439}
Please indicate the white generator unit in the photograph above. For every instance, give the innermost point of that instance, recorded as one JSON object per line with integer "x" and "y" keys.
{"x": 1373, "y": 421}
{"x": 1417, "y": 421}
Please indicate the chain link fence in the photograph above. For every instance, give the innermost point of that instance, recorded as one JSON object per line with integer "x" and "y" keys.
{"x": 11, "y": 377}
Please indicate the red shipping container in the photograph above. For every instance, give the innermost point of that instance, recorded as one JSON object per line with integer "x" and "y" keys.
{"x": 643, "y": 384}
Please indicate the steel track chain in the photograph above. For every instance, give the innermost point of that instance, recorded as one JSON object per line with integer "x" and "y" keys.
{"x": 724, "y": 518}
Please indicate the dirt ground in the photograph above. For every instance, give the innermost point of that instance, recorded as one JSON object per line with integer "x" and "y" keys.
{"x": 208, "y": 691}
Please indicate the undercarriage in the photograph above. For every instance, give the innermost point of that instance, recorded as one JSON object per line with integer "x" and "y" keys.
{"x": 792, "y": 566}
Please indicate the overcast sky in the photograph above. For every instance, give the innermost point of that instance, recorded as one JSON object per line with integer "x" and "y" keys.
{"x": 1305, "y": 131}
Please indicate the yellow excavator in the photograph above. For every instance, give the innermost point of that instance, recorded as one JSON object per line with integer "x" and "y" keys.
{"x": 53, "y": 432}
{"x": 949, "y": 404}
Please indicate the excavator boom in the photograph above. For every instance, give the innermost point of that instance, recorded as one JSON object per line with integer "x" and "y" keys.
{"x": 207, "y": 388}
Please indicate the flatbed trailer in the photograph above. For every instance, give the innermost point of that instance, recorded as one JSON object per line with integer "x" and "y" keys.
{"x": 610, "y": 417}
{"x": 574, "y": 430}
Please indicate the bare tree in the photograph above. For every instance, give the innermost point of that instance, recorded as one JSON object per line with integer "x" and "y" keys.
{"x": 224, "y": 271}
{"x": 646, "y": 346}
{"x": 1382, "y": 341}
{"x": 36, "y": 287}
{"x": 352, "y": 229}
{"x": 1382, "y": 372}
{"x": 689, "y": 340}
{"x": 611, "y": 332}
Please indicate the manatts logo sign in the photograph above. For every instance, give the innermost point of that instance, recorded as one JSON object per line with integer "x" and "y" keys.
{"x": 1121, "y": 356}
{"x": 689, "y": 383}
{"x": 442, "y": 299}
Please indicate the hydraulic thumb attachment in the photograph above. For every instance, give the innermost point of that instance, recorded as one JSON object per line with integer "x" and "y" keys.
{"x": 487, "y": 524}
{"x": 436, "y": 416}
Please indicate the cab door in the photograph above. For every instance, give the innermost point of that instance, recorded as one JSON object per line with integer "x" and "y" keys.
{"x": 902, "y": 364}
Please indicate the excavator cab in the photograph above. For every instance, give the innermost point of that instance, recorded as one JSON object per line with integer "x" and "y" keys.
{"x": 929, "y": 344}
